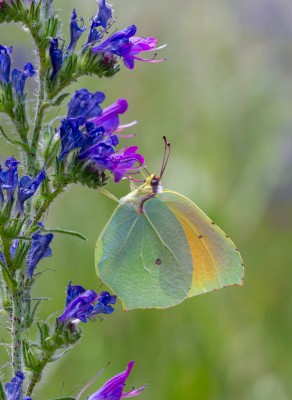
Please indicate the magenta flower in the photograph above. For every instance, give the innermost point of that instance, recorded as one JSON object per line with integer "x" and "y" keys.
{"x": 113, "y": 388}
{"x": 122, "y": 162}
{"x": 138, "y": 45}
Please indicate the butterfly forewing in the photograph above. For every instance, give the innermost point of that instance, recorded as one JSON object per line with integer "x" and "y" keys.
{"x": 145, "y": 258}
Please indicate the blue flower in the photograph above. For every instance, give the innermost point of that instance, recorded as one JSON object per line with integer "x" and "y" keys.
{"x": 13, "y": 388}
{"x": 85, "y": 104}
{"x": 113, "y": 388}
{"x": 39, "y": 248}
{"x": 56, "y": 56}
{"x": 82, "y": 305}
{"x": 101, "y": 19}
{"x": 5, "y": 63}
{"x": 19, "y": 77}
{"x": 104, "y": 13}
{"x": 27, "y": 186}
{"x": 75, "y": 31}
{"x": 9, "y": 178}
{"x": 94, "y": 33}
{"x": 71, "y": 135}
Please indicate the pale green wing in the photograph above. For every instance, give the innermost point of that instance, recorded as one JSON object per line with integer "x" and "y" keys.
{"x": 145, "y": 258}
{"x": 216, "y": 260}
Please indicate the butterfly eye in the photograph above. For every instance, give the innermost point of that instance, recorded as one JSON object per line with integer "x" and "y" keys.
{"x": 154, "y": 182}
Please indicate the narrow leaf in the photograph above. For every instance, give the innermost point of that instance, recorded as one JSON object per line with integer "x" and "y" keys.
{"x": 66, "y": 232}
{"x": 62, "y": 398}
{"x": 59, "y": 99}
{"x": 2, "y": 393}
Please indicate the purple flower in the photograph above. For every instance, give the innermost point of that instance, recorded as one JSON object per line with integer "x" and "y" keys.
{"x": 113, "y": 388}
{"x": 56, "y": 56}
{"x": 109, "y": 118}
{"x": 123, "y": 44}
{"x": 85, "y": 104}
{"x": 5, "y": 63}
{"x": 13, "y": 388}
{"x": 82, "y": 304}
{"x": 114, "y": 44}
{"x": 19, "y": 77}
{"x": 91, "y": 131}
{"x": 39, "y": 248}
{"x": 27, "y": 186}
{"x": 75, "y": 31}
{"x": 9, "y": 178}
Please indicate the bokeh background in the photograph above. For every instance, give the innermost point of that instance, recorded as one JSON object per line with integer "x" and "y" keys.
{"x": 223, "y": 98}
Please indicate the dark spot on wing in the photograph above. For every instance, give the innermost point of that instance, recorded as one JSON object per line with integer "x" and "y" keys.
{"x": 158, "y": 261}
{"x": 200, "y": 236}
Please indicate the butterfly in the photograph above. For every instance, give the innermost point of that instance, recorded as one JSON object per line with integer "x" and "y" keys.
{"x": 159, "y": 248}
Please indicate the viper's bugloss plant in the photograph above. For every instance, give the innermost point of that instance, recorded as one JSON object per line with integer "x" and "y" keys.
{"x": 86, "y": 147}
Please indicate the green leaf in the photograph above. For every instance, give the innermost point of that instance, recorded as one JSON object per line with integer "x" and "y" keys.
{"x": 31, "y": 358}
{"x": 66, "y": 232}
{"x": 6, "y": 98}
{"x": 46, "y": 340}
{"x": 14, "y": 142}
{"x": 9, "y": 280}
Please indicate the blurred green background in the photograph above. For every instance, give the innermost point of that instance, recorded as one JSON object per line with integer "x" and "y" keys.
{"x": 223, "y": 99}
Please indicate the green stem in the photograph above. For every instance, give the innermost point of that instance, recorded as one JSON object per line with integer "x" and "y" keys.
{"x": 62, "y": 86}
{"x": 36, "y": 375}
{"x": 41, "y": 211}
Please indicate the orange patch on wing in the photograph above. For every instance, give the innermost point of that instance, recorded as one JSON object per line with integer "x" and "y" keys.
{"x": 205, "y": 276}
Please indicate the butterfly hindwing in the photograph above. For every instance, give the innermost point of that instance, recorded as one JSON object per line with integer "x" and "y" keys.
{"x": 216, "y": 261}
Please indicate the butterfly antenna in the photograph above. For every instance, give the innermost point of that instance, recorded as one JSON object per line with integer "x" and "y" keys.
{"x": 145, "y": 169}
{"x": 166, "y": 154}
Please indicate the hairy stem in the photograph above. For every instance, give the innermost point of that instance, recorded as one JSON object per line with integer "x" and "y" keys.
{"x": 36, "y": 376}
{"x": 31, "y": 158}
{"x": 16, "y": 331}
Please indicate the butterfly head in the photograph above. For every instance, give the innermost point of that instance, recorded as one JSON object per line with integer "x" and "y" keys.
{"x": 152, "y": 185}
